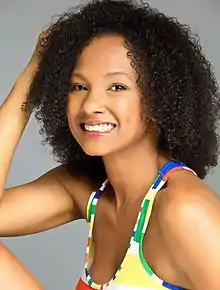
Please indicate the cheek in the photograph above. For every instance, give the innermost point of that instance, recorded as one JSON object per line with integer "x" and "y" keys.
{"x": 72, "y": 108}
{"x": 72, "y": 112}
{"x": 129, "y": 111}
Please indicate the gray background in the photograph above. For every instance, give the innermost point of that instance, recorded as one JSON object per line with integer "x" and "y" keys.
{"x": 56, "y": 257}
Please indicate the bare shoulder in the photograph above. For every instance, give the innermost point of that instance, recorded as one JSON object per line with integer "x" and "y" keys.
{"x": 190, "y": 224}
{"x": 184, "y": 186}
{"x": 185, "y": 191}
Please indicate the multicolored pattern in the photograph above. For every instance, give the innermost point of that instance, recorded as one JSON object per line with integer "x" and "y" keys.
{"x": 134, "y": 261}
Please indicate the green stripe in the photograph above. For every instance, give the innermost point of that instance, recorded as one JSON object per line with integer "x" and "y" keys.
{"x": 138, "y": 233}
{"x": 143, "y": 261}
{"x": 92, "y": 209}
{"x": 90, "y": 282}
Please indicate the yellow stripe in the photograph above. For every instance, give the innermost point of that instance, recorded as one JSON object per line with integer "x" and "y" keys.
{"x": 139, "y": 278}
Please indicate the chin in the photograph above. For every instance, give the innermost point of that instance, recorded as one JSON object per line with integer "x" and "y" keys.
{"x": 95, "y": 151}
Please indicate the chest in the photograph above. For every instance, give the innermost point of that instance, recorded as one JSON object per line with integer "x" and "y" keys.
{"x": 112, "y": 237}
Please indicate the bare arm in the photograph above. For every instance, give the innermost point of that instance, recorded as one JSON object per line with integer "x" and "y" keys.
{"x": 37, "y": 206}
{"x": 43, "y": 203}
{"x": 13, "y": 275}
{"x": 13, "y": 119}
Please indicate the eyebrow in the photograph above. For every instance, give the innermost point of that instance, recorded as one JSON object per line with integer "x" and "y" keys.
{"x": 77, "y": 74}
{"x": 117, "y": 73}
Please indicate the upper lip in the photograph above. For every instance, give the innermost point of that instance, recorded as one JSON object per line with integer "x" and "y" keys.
{"x": 96, "y": 122}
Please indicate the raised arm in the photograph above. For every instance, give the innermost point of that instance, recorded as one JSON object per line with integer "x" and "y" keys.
{"x": 39, "y": 205}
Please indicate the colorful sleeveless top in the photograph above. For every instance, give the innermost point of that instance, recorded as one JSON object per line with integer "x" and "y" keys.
{"x": 134, "y": 273}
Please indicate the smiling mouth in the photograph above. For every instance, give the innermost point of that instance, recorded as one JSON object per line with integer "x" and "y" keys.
{"x": 97, "y": 128}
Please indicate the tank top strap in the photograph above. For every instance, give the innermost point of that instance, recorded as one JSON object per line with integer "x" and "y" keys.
{"x": 93, "y": 200}
{"x": 147, "y": 204}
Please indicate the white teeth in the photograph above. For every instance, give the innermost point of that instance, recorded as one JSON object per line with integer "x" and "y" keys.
{"x": 99, "y": 128}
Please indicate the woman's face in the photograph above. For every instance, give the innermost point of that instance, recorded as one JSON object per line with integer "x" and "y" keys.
{"x": 104, "y": 103}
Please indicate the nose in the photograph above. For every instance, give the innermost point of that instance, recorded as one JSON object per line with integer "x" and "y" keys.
{"x": 93, "y": 103}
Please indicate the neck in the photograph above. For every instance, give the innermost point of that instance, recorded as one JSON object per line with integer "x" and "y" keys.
{"x": 132, "y": 172}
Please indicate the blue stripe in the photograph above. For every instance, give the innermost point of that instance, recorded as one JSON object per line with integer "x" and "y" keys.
{"x": 87, "y": 272}
{"x": 169, "y": 166}
{"x": 156, "y": 183}
{"x": 98, "y": 193}
{"x": 171, "y": 287}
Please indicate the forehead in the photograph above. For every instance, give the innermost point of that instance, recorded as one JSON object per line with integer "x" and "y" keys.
{"x": 105, "y": 54}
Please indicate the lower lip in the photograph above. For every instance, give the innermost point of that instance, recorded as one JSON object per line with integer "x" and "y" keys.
{"x": 96, "y": 134}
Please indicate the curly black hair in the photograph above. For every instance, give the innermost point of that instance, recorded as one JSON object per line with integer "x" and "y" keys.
{"x": 176, "y": 81}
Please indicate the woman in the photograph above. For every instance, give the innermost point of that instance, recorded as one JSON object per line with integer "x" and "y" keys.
{"x": 129, "y": 105}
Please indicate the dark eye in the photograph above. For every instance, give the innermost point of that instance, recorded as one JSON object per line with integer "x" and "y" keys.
{"x": 118, "y": 87}
{"x": 78, "y": 87}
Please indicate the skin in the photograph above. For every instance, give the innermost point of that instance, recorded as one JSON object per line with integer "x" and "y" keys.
{"x": 183, "y": 213}
{"x": 12, "y": 273}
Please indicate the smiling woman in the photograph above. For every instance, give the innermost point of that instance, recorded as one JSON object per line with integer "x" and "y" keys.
{"x": 129, "y": 105}
{"x": 102, "y": 98}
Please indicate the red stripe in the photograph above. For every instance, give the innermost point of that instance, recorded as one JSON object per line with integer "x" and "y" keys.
{"x": 167, "y": 176}
{"x": 82, "y": 285}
